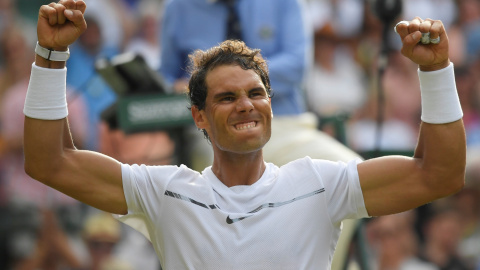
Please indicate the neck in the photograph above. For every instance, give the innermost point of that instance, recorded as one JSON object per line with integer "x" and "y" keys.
{"x": 238, "y": 169}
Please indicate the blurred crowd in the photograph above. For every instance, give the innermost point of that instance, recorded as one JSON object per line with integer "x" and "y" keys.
{"x": 373, "y": 115}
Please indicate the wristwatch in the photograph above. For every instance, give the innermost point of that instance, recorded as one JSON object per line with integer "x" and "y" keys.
{"x": 52, "y": 55}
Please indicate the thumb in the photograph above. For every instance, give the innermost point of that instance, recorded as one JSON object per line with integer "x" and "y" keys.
{"x": 414, "y": 38}
{"x": 76, "y": 17}
{"x": 410, "y": 41}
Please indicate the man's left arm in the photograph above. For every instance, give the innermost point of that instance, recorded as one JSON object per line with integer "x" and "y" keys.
{"x": 437, "y": 169}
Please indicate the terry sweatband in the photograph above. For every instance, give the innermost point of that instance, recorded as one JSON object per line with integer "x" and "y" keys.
{"x": 46, "y": 95}
{"x": 440, "y": 103}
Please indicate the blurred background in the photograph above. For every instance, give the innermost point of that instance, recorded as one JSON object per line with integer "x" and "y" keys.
{"x": 359, "y": 89}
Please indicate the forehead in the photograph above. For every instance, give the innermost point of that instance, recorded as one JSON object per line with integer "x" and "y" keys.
{"x": 232, "y": 77}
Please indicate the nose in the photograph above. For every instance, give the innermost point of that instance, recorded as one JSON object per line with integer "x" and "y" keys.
{"x": 244, "y": 104}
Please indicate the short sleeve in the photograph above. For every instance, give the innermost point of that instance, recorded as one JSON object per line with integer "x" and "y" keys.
{"x": 144, "y": 187}
{"x": 343, "y": 191}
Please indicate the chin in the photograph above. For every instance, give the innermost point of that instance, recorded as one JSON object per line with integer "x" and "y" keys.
{"x": 243, "y": 147}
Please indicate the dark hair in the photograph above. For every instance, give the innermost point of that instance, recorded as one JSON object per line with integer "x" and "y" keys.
{"x": 229, "y": 52}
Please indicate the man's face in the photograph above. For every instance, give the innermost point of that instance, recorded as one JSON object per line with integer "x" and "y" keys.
{"x": 238, "y": 113}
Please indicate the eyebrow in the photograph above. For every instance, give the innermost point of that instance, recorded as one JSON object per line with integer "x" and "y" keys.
{"x": 257, "y": 89}
{"x": 230, "y": 93}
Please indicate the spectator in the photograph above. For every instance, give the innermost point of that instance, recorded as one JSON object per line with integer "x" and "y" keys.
{"x": 146, "y": 42}
{"x": 394, "y": 243}
{"x": 469, "y": 20}
{"x": 469, "y": 93}
{"x": 150, "y": 148}
{"x": 50, "y": 249}
{"x": 444, "y": 10}
{"x": 400, "y": 114}
{"x": 336, "y": 83}
{"x": 6, "y": 13}
{"x": 458, "y": 45}
{"x": 345, "y": 16}
{"x": 87, "y": 83}
{"x": 442, "y": 233}
{"x": 467, "y": 203}
{"x": 101, "y": 234}
{"x": 115, "y": 19}
{"x": 15, "y": 62}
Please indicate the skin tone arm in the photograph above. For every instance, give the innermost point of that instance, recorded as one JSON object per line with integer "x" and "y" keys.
{"x": 50, "y": 155}
{"x": 437, "y": 169}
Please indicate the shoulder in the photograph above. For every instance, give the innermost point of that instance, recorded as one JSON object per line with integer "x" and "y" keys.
{"x": 303, "y": 168}
{"x": 308, "y": 162}
{"x": 158, "y": 173}
{"x": 323, "y": 169}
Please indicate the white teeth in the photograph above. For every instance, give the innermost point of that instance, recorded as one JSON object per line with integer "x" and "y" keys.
{"x": 245, "y": 125}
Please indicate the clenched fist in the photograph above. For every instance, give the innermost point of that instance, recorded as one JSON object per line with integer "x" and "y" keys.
{"x": 60, "y": 24}
{"x": 431, "y": 56}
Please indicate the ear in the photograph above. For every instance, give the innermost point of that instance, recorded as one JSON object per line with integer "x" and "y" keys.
{"x": 199, "y": 117}
{"x": 270, "y": 101}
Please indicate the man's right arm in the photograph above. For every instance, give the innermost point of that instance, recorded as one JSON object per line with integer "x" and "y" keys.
{"x": 50, "y": 155}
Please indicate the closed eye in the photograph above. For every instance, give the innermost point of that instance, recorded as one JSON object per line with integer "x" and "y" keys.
{"x": 224, "y": 97}
{"x": 258, "y": 93}
{"x": 227, "y": 99}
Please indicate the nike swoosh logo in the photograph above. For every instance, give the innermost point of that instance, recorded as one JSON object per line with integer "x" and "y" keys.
{"x": 230, "y": 221}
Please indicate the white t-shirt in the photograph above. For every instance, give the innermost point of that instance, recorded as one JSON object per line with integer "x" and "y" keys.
{"x": 289, "y": 219}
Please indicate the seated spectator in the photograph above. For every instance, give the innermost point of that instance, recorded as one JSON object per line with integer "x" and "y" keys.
{"x": 401, "y": 109}
{"x": 101, "y": 233}
{"x": 467, "y": 203}
{"x": 146, "y": 41}
{"x": 87, "y": 83}
{"x": 44, "y": 247}
{"x": 442, "y": 233}
{"x": 14, "y": 61}
{"x": 468, "y": 87}
{"x": 394, "y": 243}
{"x": 335, "y": 85}
{"x": 469, "y": 21}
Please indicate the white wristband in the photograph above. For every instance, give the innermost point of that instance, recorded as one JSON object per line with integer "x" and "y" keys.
{"x": 440, "y": 103}
{"x": 46, "y": 95}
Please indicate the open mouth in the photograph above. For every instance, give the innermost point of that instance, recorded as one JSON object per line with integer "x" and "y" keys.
{"x": 246, "y": 125}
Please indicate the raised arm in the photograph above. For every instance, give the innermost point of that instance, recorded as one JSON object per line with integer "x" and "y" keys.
{"x": 395, "y": 184}
{"x": 50, "y": 155}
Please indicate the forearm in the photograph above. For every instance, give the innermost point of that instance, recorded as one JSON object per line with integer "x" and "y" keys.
{"x": 44, "y": 145}
{"x": 442, "y": 150}
{"x": 442, "y": 143}
{"x": 46, "y": 135}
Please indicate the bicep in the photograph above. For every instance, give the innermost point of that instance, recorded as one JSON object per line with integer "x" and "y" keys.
{"x": 92, "y": 178}
{"x": 393, "y": 184}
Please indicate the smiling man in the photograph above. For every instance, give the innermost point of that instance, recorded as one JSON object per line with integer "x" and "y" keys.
{"x": 242, "y": 213}
{"x": 236, "y": 113}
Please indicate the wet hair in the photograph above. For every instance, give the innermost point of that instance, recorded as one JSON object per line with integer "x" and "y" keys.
{"x": 229, "y": 52}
